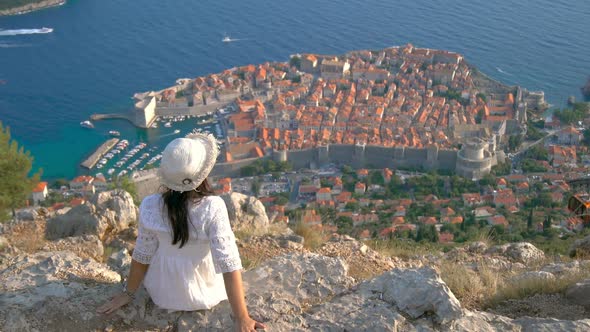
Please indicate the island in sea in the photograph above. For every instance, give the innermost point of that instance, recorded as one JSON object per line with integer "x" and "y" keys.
{"x": 400, "y": 107}
{"x": 17, "y": 7}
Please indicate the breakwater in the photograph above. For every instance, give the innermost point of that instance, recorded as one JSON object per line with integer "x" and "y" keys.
{"x": 102, "y": 149}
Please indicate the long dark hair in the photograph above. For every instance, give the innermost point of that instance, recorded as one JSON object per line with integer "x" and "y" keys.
{"x": 177, "y": 205}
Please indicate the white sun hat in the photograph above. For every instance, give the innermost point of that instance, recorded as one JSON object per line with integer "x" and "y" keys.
{"x": 186, "y": 162}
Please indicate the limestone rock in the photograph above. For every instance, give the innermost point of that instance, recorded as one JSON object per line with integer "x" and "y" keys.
{"x": 417, "y": 292}
{"x": 579, "y": 293}
{"x": 108, "y": 212}
{"x": 302, "y": 277}
{"x": 123, "y": 240}
{"x": 533, "y": 276}
{"x": 121, "y": 203}
{"x": 580, "y": 248}
{"x": 62, "y": 211}
{"x": 28, "y": 214}
{"x": 552, "y": 325}
{"x": 363, "y": 262}
{"x": 562, "y": 268}
{"x": 354, "y": 312}
{"x": 59, "y": 291}
{"x": 80, "y": 220}
{"x": 477, "y": 247}
{"x": 120, "y": 261}
{"x": 85, "y": 246}
{"x": 245, "y": 211}
{"x": 522, "y": 252}
{"x": 31, "y": 278}
{"x": 482, "y": 322}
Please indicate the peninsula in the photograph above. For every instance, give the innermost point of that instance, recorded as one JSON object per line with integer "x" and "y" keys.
{"x": 402, "y": 106}
{"x": 18, "y": 7}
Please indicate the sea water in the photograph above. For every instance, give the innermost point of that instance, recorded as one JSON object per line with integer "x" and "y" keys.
{"x": 103, "y": 51}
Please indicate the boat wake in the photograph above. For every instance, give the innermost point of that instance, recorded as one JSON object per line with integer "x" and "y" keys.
{"x": 25, "y": 32}
{"x": 503, "y": 72}
{"x": 8, "y": 45}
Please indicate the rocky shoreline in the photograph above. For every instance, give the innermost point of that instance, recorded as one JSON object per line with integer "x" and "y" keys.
{"x": 24, "y": 9}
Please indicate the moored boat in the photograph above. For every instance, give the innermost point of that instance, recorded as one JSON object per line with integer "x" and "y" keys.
{"x": 86, "y": 124}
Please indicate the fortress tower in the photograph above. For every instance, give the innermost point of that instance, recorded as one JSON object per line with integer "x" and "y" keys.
{"x": 144, "y": 112}
{"x": 474, "y": 160}
{"x": 279, "y": 155}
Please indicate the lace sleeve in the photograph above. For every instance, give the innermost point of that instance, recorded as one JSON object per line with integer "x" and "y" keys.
{"x": 224, "y": 250}
{"x": 147, "y": 240}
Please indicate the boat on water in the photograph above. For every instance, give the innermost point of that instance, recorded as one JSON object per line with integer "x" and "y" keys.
{"x": 46, "y": 30}
{"x": 86, "y": 124}
{"x": 167, "y": 124}
{"x": 114, "y": 133}
{"x": 176, "y": 131}
{"x": 226, "y": 39}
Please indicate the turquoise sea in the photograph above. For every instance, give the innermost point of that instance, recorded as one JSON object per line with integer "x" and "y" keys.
{"x": 102, "y": 51}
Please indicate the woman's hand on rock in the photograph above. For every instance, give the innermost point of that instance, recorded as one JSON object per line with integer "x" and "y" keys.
{"x": 247, "y": 324}
{"x": 115, "y": 303}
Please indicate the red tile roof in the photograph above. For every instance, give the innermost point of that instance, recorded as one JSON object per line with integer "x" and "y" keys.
{"x": 40, "y": 187}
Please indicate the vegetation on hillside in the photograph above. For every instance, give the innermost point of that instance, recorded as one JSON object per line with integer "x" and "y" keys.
{"x": 125, "y": 183}
{"x": 578, "y": 112}
{"x": 265, "y": 166}
{"x": 16, "y": 181}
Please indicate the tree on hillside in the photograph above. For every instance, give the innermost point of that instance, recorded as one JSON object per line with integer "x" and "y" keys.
{"x": 16, "y": 182}
{"x": 125, "y": 183}
{"x": 529, "y": 223}
{"x": 547, "y": 223}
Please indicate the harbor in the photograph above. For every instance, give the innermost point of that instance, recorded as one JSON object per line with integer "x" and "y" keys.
{"x": 91, "y": 161}
{"x": 123, "y": 155}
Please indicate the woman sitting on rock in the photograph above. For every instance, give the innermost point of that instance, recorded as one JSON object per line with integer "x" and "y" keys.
{"x": 186, "y": 251}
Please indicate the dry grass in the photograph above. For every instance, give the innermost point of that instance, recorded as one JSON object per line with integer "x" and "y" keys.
{"x": 313, "y": 237}
{"x": 108, "y": 251}
{"x": 249, "y": 262}
{"x": 520, "y": 289}
{"x": 403, "y": 249}
{"x": 28, "y": 236}
{"x": 246, "y": 232}
{"x": 472, "y": 288}
{"x": 487, "y": 288}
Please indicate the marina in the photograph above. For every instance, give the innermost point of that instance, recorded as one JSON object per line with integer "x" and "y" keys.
{"x": 94, "y": 158}
{"x": 127, "y": 155}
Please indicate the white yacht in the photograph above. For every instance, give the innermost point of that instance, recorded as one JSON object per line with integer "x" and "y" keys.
{"x": 86, "y": 124}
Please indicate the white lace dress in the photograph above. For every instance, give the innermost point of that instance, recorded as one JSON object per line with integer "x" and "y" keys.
{"x": 189, "y": 278}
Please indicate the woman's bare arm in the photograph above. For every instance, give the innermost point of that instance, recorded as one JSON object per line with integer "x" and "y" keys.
{"x": 136, "y": 274}
{"x": 235, "y": 295}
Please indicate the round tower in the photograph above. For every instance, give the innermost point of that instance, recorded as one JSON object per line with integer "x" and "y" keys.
{"x": 474, "y": 160}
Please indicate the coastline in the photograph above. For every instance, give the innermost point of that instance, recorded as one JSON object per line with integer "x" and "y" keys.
{"x": 25, "y": 9}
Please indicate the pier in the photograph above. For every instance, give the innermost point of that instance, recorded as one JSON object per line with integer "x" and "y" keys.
{"x": 102, "y": 149}
{"x": 96, "y": 117}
